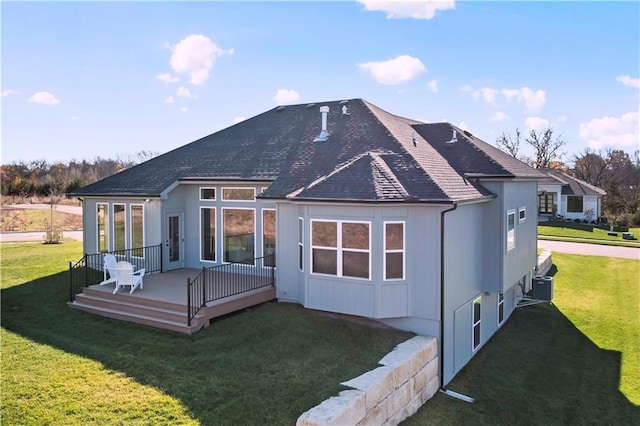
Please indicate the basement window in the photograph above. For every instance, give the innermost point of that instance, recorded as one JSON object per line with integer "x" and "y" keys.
{"x": 476, "y": 322}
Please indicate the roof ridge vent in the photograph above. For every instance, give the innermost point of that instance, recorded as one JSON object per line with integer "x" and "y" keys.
{"x": 309, "y": 106}
{"x": 324, "y": 134}
{"x": 454, "y": 139}
{"x": 280, "y": 108}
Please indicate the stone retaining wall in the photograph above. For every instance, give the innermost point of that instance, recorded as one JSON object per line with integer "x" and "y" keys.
{"x": 544, "y": 262}
{"x": 407, "y": 378}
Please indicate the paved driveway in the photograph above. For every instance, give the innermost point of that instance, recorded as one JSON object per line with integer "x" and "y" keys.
{"x": 590, "y": 249}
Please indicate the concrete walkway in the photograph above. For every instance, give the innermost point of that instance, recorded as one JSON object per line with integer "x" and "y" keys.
{"x": 590, "y": 249}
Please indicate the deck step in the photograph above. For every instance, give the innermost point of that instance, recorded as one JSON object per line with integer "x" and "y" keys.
{"x": 137, "y": 318}
{"x": 126, "y": 297}
{"x": 176, "y": 315}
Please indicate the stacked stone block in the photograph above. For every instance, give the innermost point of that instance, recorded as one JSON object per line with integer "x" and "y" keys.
{"x": 406, "y": 379}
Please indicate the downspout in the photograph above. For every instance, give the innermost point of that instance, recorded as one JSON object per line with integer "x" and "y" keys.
{"x": 441, "y": 357}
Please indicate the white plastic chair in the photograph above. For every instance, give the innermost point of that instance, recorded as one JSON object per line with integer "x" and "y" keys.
{"x": 126, "y": 277}
{"x": 109, "y": 268}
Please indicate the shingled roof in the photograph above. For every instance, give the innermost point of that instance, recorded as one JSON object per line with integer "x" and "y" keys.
{"x": 570, "y": 184}
{"x": 370, "y": 156}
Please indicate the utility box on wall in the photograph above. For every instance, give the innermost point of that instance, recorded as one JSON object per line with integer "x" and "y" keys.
{"x": 542, "y": 288}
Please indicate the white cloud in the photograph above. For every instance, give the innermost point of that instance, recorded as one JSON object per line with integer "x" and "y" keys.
{"x": 167, "y": 78}
{"x": 285, "y": 96}
{"x": 611, "y": 131}
{"x": 238, "y": 119}
{"x": 9, "y": 92}
{"x": 408, "y": 9}
{"x": 534, "y": 100}
{"x": 183, "y": 92}
{"x": 169, "y": 100}
{"x": 433, "y": 85}
{"x": 562, "y": 118}
{"x": 487, "y": 94}
{"x": 184, "y": 109}
{"x": 466, "y": 88}
{"x": 394, "y": 71}
{"x": 44, "y": 98}
{"x": 536, "y": 123}
{"x": 499, "y": 116}
{"x": 629, "y": 81}
{"x": 463, "y": 126}
{"x": 195, "y": 55}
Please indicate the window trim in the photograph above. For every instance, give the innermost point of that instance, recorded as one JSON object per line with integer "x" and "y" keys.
{"x": 385, "y": 250}
{"x": 107, "y": 226}
{"x": 113, "y": 225}
{"x": 513, "y": 245}
{"x": 500, "y": 309}
{"x": 215, "y": 239}
{"x": 222, "y": 209}
{"x": 300, "y": 244}
{"x": 238, "y": 187}
{"x": 522, "y": 214}
{"x": 275, "y": 218}
{"x": 339, "y": 249}
{"x": 475, "y": 347}
{"x": 130, "y": 239}
{"x": 215, "y": 193}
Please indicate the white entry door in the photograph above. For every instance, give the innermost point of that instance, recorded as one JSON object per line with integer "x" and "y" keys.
{"x": 174, "y": 243}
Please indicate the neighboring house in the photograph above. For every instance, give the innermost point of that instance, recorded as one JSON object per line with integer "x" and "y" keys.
{"x": 421, "y": 226}
{"x": 564, "y": 196}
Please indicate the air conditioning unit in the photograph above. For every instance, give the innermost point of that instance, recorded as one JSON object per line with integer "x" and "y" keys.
{"x": 542, "y": 288}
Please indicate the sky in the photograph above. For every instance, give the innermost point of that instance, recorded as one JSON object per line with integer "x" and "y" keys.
{"x": 81, "y": 80}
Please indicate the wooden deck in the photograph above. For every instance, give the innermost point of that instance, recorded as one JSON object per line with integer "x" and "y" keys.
{"x": 162, "y": 302}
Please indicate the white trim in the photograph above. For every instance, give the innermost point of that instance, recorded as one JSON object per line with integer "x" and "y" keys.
{"x": 113, "y": 224}
{"x": 513, "y": 246}
{"x": 385, "y": 250}
{"x": 222, "y": 209}
{"x": 262, "y": 239}
{"x": 131, "y": 226}
{"x": 522, "y": 210}
{"x": 215, "y": 193}
{"x": 201, "y": 234}
{"x": 474, "y": 324}
{"x": 253, "y": 189}
{"x": 339, "y": 249}
{"x": 300, "y": 244}
{"x": 107, "y": 226}
{"x": 500, "y": 306}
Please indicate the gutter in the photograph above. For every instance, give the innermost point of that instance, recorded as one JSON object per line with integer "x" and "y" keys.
{"x": 441, "y": 340}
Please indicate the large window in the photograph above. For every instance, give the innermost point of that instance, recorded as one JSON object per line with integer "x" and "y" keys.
{"x": 574, "y": 204}
{"x": 476, "y": 322}
{"x": 300, "y": 244}
{"x": 102, "y": 226}
{"x": 500, "y": 308}
{"x": 137, "y": 229}
{"x": 119, "y": 227}
{"x": 394, "y": 250}
{"x": 239, "y": 235}
{"x": 545, "y": 203}
{"x": 341, "y": 248}
{"x": 269, "y": 237}
{"x": 238, "y": 194}
{"x": 208, "y": 234}
{"x": 511, "y": 230}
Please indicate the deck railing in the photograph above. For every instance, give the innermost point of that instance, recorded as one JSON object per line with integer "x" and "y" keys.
{"x": 226, "y": 280}
{"x": 89, "y": 269}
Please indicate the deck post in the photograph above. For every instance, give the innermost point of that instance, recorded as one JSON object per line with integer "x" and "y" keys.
{"x": 86, "y": 279}
{"x": 188, "y": 302}
{"x": 70, "y": 281}
{"x": 204, "y": 287}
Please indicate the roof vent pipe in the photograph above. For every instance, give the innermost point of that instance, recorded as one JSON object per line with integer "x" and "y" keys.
{"x": 324, "y": 135}
{"x": 454, "y": 139}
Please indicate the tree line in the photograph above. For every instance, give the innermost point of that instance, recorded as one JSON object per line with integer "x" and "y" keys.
{"x": 613, "y": 170}
{"x": 41, "y": 178}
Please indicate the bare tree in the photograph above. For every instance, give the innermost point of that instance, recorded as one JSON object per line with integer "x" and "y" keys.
{"x": 591, "y": 167}
{"x": 508, "y": 144}
{"x": 546, "y": 147}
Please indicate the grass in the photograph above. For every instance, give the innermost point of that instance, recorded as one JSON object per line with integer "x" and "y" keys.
{"x": 575, "y": 361}
{"x": 266, "y": 365}
{"x": 37, "y": 220}
{"x": 576, "y": 232}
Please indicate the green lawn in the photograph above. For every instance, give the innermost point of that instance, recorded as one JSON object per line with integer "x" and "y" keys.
{"x": 37, "y": 220}
{"x": 573, "y": 362}
{"x": 266, "y": 365}
{"x": 569, "y": 231}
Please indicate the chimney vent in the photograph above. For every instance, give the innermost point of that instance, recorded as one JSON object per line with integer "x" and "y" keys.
{"x": 344, "y": 110}
{"x": 454, "y": 139}
{"x": 324, "y": 134}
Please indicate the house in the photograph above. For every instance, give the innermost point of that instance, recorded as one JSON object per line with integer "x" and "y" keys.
{"x": 561, "y": 195}
{"x": 421, "y": 226}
